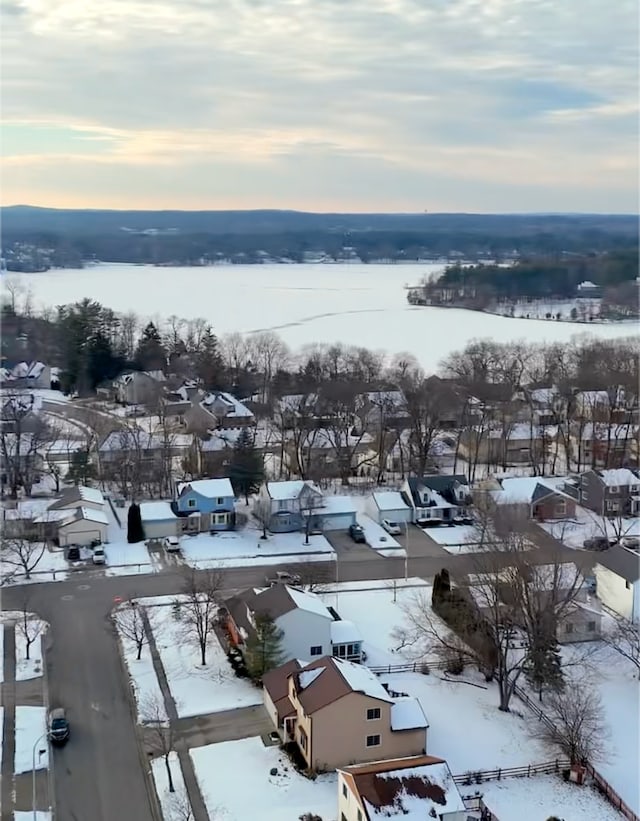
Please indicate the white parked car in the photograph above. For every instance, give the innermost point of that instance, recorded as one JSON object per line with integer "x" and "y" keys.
{"x": 99, "y": 556}
{"x": 391, "y": 527}
{"x": 172, "y": 544}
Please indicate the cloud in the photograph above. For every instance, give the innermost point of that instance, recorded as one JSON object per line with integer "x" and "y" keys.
{"x": 472, "y": 99}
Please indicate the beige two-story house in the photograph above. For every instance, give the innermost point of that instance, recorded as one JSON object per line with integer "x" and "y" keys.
{"x": 338, "y": 713}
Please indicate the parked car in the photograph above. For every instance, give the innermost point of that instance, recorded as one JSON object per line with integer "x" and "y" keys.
{"x": 357, "y": 534}
{"x": 632, "y": 542}
{"x": 597, "y": 543}
{"x": 391, "y": 527}
{"x": 58, "y": 729}
{"x": 73, "y": 553}
{"x": 99, "y": 556}
{"x": 172, "y": 544}
{"x": 283, "y": 577}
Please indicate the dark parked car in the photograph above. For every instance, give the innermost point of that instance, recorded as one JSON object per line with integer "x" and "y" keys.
{"x": 58, "y": 726}
{"x": 73, "y": 553}
{"x": 357, "y": 533}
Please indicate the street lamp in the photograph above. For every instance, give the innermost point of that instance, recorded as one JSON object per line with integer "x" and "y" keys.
{"x": 33, "y": 773}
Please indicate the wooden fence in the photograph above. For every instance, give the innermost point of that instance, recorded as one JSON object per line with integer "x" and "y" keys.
{"x": 479, "y": 776}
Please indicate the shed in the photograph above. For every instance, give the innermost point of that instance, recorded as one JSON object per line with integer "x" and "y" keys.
{"x": 389, "y": 504}
{"x": 84, "y": 527}
{"x": 158, "y": 520}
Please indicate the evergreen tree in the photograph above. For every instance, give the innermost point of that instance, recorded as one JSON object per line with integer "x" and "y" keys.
{"x": 102, "y": 363}
{"x": 264, "y": 647}
{"x": 135, "y": 531}
{"x": 81, "y": 469}
{"x": 543, "y": 668}
{"x": 151, "y": 354}
{"x": 209, "y": 364}
{"x": 246, "y": 470}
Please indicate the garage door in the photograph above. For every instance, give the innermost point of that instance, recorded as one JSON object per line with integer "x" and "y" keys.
{"x": 340, "y": 521}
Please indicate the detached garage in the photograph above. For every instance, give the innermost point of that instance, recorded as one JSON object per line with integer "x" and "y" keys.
{"x": 337, "y": 513}
{"x": 389, "y": 504}
{"x": 158, "y": 520}
{"x": 84, "y": 527}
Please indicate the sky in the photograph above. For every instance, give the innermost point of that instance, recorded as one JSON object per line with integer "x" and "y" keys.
{"x": 321, "y": 105}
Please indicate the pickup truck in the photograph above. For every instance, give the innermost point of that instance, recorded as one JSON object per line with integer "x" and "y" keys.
{"x": 282, "y": 577}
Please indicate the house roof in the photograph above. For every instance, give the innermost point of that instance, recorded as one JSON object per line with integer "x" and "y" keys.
{"x": 437, "y": 482}
{"x": 274, "y": 601}
{"x": 407, "y": 714}
{"x": 89, "y": 515}
{"x": 289, "y": 490}
{"x": 338, "y": 679}
{"x": 618, "y": 477}
{"x": 621, "y": 561}
{"x": 527, "y": 489}
{"x": 78, "y": 494}
{"x": 338, "y": 504}
{"x": 210, "y": 488}
{"x": 232, "y": 406}
{"x": 344, "y": 631}
{"x": 412, "y": 788}
{"x": 276, "y": 683}
{"x": 156, "y": 511}
{"x": 389, "y": 500}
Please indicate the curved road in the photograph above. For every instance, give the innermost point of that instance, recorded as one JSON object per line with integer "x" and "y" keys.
{"x": 99, "y": 774}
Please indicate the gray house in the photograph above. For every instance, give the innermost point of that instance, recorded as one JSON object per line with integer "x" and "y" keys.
{"x": 290, "y": 503}
{"x": 614, "y": 492}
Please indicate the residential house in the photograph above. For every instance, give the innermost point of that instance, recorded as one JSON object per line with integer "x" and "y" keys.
{"x": 289, "y": 504}
{"x": 545, "y": 498}
{"x": 32, "y": 519}
{"x": 20, "y": 411}
{"x": 212, "y": 456}
{"x": 205, "y": 505}
{"x": 138, "y": 446}
{"x": 542, "y": 404}
{"x": 292, "y": 408}
{"x": 86, "y": 526}
{"x": 327, "y": 453}
{"x": 27, "y": 375}
{"x": 512, "y": 444}
{"x": 217, "y": 410}
{"x": 617, "y": 575}
{"x": 381, "y": 409}
{"x": 22, "y": 460}
{"x": 333, "y": 699}
{"x": 79, "y": 496}
{"x": 438, "y": 499}
{"x": 414, "y": 789}
{"x": 599, "y": 444}
{"x": 390, "y": 505}
{"x": 613, "y": 492}
{"x": 310, "y": 628}
{"x": 615, "y": 405}
{"x": 138, "y": 387}
{"x": 159, "y": 520}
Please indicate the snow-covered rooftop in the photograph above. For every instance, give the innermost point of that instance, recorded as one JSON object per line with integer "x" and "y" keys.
{"x": 91, "y": 494}
{"x": 407, "y": 714}
{"x": 210, "y": 488}
{"x": 285, "y": 490}
{"x": 520, "y": 489}
{"x": 307, "y": 677}
{"x": 619, "y": 477}
{"x": 361, "y": 680}
{"x": 389, "y": 500}
{"x": 339, "y": 504}
{"x": 344, "y": 632}
{"x": 309, "y": 602}
{"x": 156, "y": 511}
{"x": 92, "y": 515}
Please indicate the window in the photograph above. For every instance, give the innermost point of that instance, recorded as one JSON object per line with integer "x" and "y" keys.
{"x": 614, "y": 489}
{"x": 359, "y": 815}
{"x": 316, "y": 650}
{"x": 373, "y": 714}
{"x": 344, "y": 790}
{"x": 561, "y": 508}
{"x": 303, "y": 740}
{"x": 568, "y": 628}
{"x": 612, "y": 506}
{"x": 191, "y": 502}
{"x": 373, "y": 741}
{"x": 219, "y": 500}
{"x": 591, "y": 626}
{"x": 282, "y": 504}
{"x": 634, "y": 489}
{"x": 221, "y": 518}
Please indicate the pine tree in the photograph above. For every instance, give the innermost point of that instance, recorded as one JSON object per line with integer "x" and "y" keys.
{"x": 209, "y": 363}
{"x": 543, "y": 668}
{"x": 135, "y": 531}
{"x": 264, "y": 647}
{"x": 81, "y": 469}
{"x": 151, "y": 354}
{"x": 246, "y": 470}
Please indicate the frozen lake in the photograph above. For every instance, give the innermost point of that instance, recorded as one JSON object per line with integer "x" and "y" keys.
{"x": 354, "y": 304}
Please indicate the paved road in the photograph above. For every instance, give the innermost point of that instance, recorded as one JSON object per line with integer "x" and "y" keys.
{"x": 98, "y": 775}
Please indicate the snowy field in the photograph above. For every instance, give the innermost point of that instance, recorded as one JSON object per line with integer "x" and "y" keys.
{"x": 465, "y": 725}
{"x": 125, "y": 559}
{"x": 376, "y": 615}
{"x": 281, "y": 797}
{"x": 52, "y": 566}
{"x": 27, "y": 815}
{"x": 303, "y": 303}
{"x": 456, "y": 539}
{"x": 545, "y": 796}
{"x": 174, "y": 805}
{"x": 31, "y": 724}
{"x": 588, "y": 525}
{"x": 143, "y": 677}
{"x": 224, "y": 549}
{"x": 195, "y": 689}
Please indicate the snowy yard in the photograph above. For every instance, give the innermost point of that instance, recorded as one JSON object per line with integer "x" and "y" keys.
{"x": 143, "y": 677}
{"x": 125, "y": 559}
{"x": 588, "y": 525}
{"x": 226, "y": 548}
{"x": 31, "y": 725}
{"x": 52, "y": 566}
{"x": 465, "y": 725}
{"x": 195, "y": 689}
{"x": 540, "y": 797}
{"x": 456, "y": 539}
{"x": 31, "y": 667}
{"x": 378, "y": 538}
{"x": 27, "y": 815}
{"x": 281, "y": 797}
{"x": 375, "y": 614}
{"x": 171, "y": 803}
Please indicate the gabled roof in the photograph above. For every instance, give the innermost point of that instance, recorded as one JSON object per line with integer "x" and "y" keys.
{"x": 338, "y": 679}
{"x": 438, "y": 482}
{"x": 209, "y": 488}
{"x": 78, "y": 494}
{"x": 527, "y": 489}
{"x": 389, "y": 500}
{"x": 89, "y": 515}
{"x": 274, "y": 601}
{"x": 289, "y": 490}
{"x": 620, "y": 477}
{"x": 621, "y": 561}
{"x": 276, "y": 684}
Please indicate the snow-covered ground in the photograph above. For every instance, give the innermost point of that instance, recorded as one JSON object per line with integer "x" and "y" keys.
{"x": 52, "y": 566}
{"x": 196, "y": 689}
{"x": 588, "y": 525}
{"x": 376, "y": 615}
{"x": 456, "y": 539}
{"x": 545, "y": 796}
{"x": 257, "y": 794}
{"x": 125, "y": 559}
{"x": 31, "y": 725}
{"x": 175, "y": 804}
{"x": 304, "y": 303}
{"x": 205, "y": 550}
{"x": 29, "y": 667}
{"x": 27, "y": 815}
{"x": 377, "y": 537}
{"x": 143, "y": 677}
{"x": 465, "y": 725}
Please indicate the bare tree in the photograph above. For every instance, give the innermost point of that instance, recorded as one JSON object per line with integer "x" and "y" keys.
{"x": 21, "y": 554}
{"x": 576, "y": 723}
{"x": 159, "y": 731}
{"x": 624, "y": 638}
{"x": 338, "y": 406}
{"x": 314, "y": 576}
{"x": 199, "y": 605}
{"x": 24, "y": 439}
{"x": 180, "y": 806}
{"x": 261, "y": 511}
{"x": 130, "y": 623}
{"x": 29, "y": 626}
